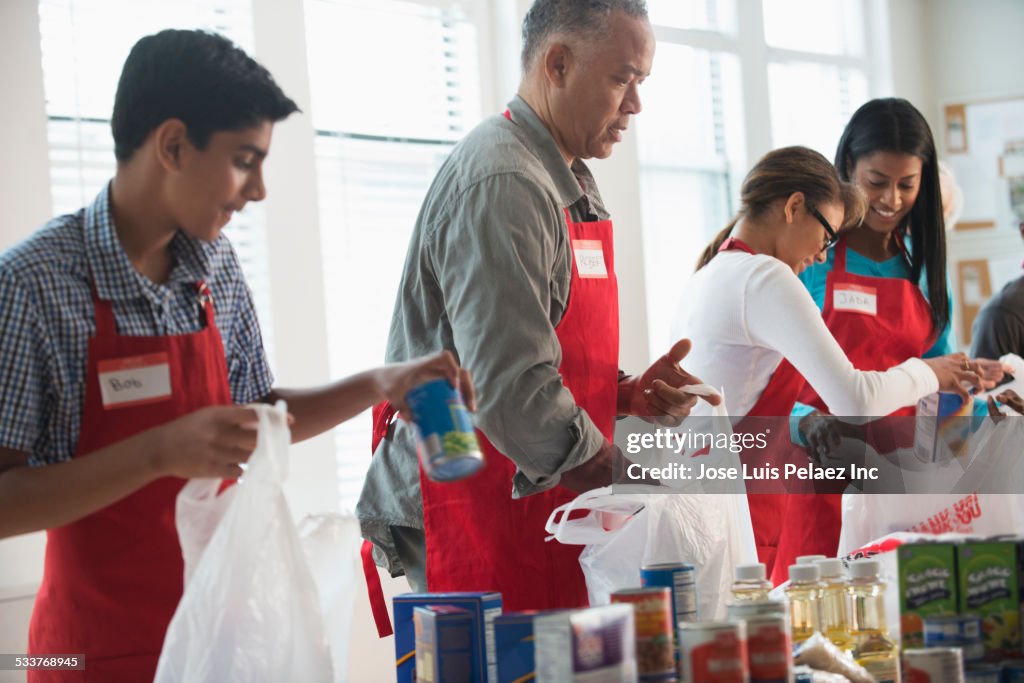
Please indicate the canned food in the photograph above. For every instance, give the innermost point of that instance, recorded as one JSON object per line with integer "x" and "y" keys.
{"x": 655, "y": 640}
{"x": 444, "y": 431}
{"x": 982, "y": 673}
{"x": 956, "y": 627}
{"x": 756, "y": 608}
{"x": 681, "y": 579}
{"x": 933, "y": 665}
{"x": 769, "y": 652}
{"x": 712, "y": 652}
{"x": 1013, "y": 671}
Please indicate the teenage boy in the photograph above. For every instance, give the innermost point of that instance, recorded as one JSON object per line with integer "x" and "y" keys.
{"x": 130, "y": 345}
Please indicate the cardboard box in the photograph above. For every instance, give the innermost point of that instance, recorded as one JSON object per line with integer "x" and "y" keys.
{"x": 446, "y": 645}
{"x": 990, "y": 584}
{"x": 483, "y": 606}
{"x": 928, "y": 587}
{"x": 598, "y": 643}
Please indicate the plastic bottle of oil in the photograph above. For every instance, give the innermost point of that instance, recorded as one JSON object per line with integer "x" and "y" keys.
{"x": 872, "y": 647}
{"x": 834, "y": 616}
{"x": 751, "y": 583}
{"x": 804, "y": 594}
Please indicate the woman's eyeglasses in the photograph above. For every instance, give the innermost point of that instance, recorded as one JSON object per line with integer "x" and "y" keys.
{"x": 832, "y": 236}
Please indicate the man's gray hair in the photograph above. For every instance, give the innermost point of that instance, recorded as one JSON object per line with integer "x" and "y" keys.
{"x": 587, "y": 18}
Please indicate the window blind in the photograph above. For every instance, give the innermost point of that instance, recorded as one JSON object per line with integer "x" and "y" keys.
{"x": 84, "y": 45}
{"x": 387, "y": 106}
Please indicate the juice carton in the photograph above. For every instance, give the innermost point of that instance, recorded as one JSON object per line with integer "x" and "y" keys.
{"x": 928, "y": 587}
{"x": 990, "y": 578}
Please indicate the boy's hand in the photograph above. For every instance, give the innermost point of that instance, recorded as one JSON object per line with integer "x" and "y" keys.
{"x": 395, "y": 381}
{"x": 210, "y": 442}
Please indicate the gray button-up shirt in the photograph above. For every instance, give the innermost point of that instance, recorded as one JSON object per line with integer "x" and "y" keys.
{"x": 487, "y": 277}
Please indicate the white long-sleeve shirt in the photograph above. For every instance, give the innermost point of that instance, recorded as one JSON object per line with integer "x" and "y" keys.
{"x": 744, "y": 313}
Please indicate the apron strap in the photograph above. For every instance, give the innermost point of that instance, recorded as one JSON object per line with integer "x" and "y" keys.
{"x": 839, "y": 263}
{"x": 104, "y": 311}
{"x": 383, "y": 414}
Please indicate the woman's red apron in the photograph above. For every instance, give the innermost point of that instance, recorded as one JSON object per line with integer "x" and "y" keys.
{"x": 112, "y": 580}
{"x": 478, "y": 538}
{"x": 900, "y": 328}
{"x": 768, "y": 510}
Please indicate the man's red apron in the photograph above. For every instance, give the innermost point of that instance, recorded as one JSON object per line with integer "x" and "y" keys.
{"x": 478, "y": 538}
{"x": 879, "y": 323}
{"x": 112, "y": 580}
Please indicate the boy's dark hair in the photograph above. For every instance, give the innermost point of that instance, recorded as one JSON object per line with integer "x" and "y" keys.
{"x": 201, "y": 78}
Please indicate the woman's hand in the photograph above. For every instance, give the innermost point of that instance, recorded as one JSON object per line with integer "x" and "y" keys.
{"x": 991, "y": 372}
{"x": 955, "y": 373}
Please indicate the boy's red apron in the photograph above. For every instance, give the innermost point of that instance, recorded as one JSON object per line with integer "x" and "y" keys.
{"x": 477, "y": 537}
{"x": 112, "y": 580}
{"x": 901, "y": 328}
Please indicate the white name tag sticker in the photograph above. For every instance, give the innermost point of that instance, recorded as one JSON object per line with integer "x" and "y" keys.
{"x": 589, "y": 258}
{"x": 855, "y": 298}
{"x": 134, "y": 381}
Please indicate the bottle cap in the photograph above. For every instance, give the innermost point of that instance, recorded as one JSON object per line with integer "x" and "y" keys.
{"x": 751, "y": 572}
{"x": 803, "y": 573}
{"x": 865, "y": 569}
{"x": 830, "y": 567}
{"x": 809, "y": 559}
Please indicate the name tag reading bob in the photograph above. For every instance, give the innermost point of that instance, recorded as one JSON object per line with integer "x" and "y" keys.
{"x": 589, "y": 258}
{"x": 136, "y": 380}
{"x": 855, "y": 298}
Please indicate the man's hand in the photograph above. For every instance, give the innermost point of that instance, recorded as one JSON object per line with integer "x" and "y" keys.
{"x": 209, "y": 442}
{"x": 824, "y": 433}
{"x": 656, "y": 392}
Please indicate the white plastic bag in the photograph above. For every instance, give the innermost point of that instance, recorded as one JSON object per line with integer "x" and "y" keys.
{"x": 250, "y": 611}
{"x": 711, "y": 531}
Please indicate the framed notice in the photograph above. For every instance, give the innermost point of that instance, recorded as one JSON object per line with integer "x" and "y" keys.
{"x": 975, "y": 288}
{"x": 985, "y": 146}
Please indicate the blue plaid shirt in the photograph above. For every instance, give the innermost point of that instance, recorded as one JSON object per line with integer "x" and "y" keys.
{"x": 47, "y": 318}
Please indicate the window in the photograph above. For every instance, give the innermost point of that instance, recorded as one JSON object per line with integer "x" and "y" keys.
{"x": 84, "y": 45}
{"x": 381, "y": 135}
{"x": 696, "y": 140}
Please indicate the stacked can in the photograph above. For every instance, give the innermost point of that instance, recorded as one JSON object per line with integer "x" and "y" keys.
{"x": 983, "y": 673}
{"x": 960, "y": 630}
{"x": 713, "y": 652}
{"x": 769, "y": 652}
{"x": 681, "y": 579}
{"x": 1013, "y": 671}
{"x": 655, "y": 635}
{"x": 933, "y": 665}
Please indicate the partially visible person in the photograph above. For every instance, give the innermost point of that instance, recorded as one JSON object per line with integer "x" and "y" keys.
{"x": 883, "y": 291}
{"x": 131, "y": 343}
{"x": 511, "y": 268}
{"x": 762, "y": 334}
{"x": 999, "y": 327}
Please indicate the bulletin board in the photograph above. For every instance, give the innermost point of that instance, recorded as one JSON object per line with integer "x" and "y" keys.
{"x": 984, "y": 141}
{"x": 985, "y": 147}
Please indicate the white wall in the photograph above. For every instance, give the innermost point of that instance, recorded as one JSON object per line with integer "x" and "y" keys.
{"x": 25, "y": 198}
{"x": 955, "y": 51}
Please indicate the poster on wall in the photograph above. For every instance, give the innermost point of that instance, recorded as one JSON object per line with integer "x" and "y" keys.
{"x": 985, "y": 143}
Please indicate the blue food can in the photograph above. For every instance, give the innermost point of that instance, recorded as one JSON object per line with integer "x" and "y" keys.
{"x": 1013, "y": 671}
{"x": 446, "y": 438}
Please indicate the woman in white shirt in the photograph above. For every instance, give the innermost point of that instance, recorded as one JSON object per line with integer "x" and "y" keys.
{"x": 756, "y": 322}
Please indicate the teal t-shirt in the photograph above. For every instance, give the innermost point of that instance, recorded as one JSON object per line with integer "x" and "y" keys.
{"x": 814, "y": 279}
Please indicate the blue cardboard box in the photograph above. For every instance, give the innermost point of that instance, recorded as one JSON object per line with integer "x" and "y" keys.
{"x": 513, "y": 642}
{"x": 483, "y": 606}
{"x": 446, "y": 644}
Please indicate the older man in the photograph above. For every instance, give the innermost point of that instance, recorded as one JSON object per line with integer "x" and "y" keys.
{"x": 510, "y": 267}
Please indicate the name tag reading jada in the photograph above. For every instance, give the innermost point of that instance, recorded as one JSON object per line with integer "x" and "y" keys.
{"x": 855, "y": 298}
{"x": 134, "y": 381}
{"x": 589, "y": 258}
